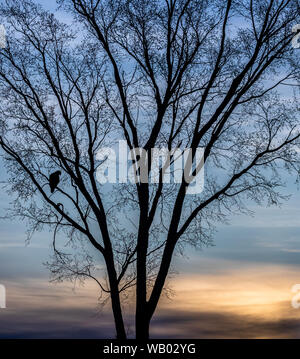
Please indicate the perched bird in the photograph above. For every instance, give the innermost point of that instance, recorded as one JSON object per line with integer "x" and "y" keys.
{"x": 54, "y": 180}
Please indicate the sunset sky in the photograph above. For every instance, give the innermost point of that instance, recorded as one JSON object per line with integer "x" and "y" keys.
{"x": 238, "y": 288}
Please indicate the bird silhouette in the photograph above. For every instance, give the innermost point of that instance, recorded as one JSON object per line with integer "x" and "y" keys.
{"x": 54, "y": 180}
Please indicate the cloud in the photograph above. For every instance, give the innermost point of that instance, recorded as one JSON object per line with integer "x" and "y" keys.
{"x": 38, "y": 309}
{"x": 249, "y": 302}
{"x": 206, "y": 325}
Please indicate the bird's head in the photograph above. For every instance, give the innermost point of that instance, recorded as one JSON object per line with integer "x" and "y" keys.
{"x": 58, "y": 173}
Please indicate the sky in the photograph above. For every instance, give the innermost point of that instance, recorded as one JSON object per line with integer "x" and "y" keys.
{"x": 239, "y": 288}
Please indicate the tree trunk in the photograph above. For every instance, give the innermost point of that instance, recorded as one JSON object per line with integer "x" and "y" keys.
{"x": 118, "y": 317}
{"x": 142, "y": 324}
{"x": 115, "y": 299}
{"x": 142, "y": 319}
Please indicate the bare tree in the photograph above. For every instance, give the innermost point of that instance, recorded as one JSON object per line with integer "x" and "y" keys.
{"x": 220, "y": 75}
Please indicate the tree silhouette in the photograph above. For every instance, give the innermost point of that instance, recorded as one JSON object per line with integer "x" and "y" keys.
{"x": 220, "y": 75}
